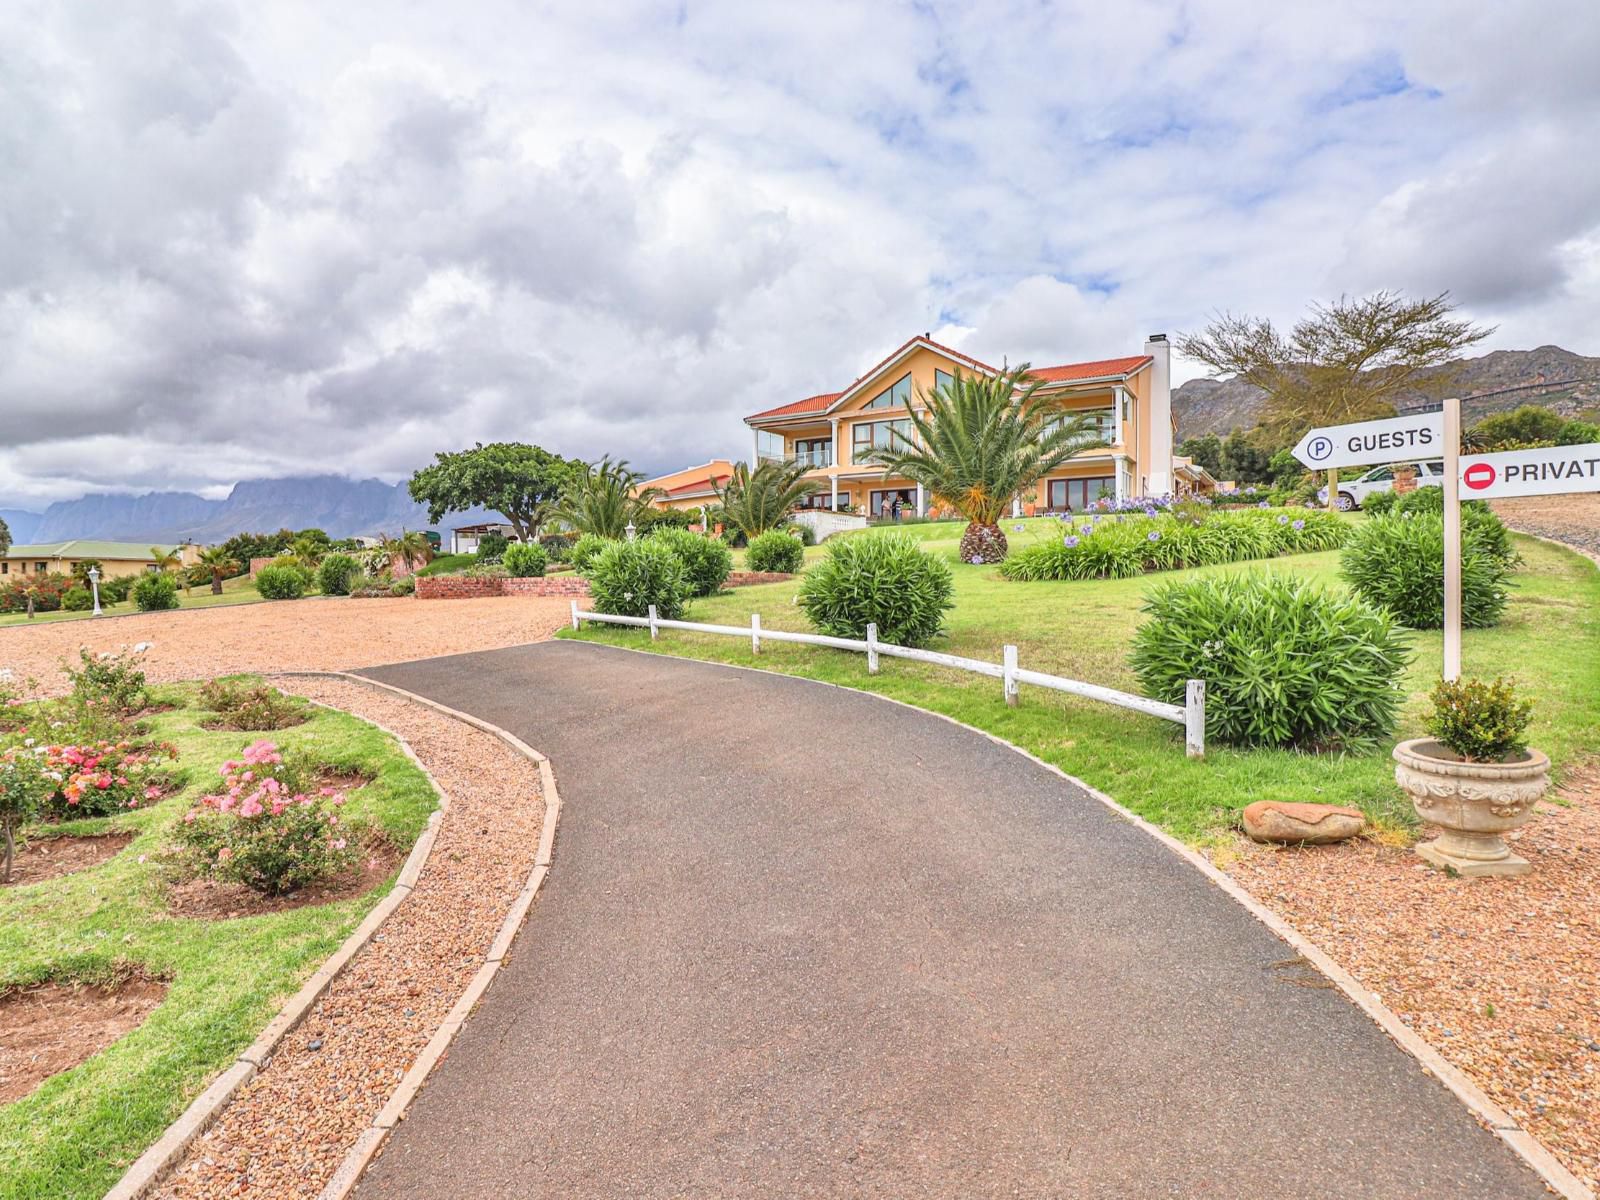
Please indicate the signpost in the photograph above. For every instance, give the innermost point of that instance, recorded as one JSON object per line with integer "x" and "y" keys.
{"x": 1548, "y": 472}
{"x": 1391, "y": 439}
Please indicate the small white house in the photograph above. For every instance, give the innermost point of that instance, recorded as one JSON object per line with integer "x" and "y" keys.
{"x": 465, "y": 539}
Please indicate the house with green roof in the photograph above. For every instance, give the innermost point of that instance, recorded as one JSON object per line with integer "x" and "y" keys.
{"x": 115, "y": 558}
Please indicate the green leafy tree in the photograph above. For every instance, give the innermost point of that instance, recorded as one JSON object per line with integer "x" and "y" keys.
{"x": 5, "y": 537}
{"x": 754, "y": 502}
{"x": 981, "y": 441}
{"x": 1205, "y": 451}
{"x": 1530, "y": 425}
{"x": 605, "y": 498}
{"x": 1244, "y": 461}
{"x": 219, "y": 564}
{"x": 523, "y": 483}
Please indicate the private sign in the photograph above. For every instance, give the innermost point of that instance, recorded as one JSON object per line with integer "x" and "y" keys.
{"x": 1547, "y": 472}
{"x": 1393, "y": 439}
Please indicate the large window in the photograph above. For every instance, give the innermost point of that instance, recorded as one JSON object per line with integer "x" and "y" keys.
{"x": 769, "y": 445}
{"x": 879, "y": 435}
{"x": 892, "y": 502}
{"x": 1104, "y": 426}
{"x": 1076, "y": 495}
{"x": 814, "y": 452}
{"x": 897, "y": 395}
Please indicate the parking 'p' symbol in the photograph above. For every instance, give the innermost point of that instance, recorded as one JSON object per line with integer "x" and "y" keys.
{"x": 1320, "y": 448}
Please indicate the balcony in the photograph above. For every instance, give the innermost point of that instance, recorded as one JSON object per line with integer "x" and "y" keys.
{"x": 820, "y": 457}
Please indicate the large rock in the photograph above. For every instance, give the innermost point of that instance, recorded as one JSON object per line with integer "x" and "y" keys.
{"x": 1317, "y": 824}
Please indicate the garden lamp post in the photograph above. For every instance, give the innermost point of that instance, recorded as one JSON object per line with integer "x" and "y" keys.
{"x": 630, "y": 531}
{"x": 94, "y": 583}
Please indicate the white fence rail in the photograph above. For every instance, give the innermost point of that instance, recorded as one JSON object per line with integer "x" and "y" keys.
{"x": 1191, "y": 714}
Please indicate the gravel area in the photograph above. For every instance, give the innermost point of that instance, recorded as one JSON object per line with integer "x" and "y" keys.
{"x": 287, "y": 1131}
{"x": 290, "y": 635}
{"x": 1502, "y": 976}
{"x": 1574, "y": 520}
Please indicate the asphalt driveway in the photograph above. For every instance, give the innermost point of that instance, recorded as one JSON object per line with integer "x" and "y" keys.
{"x": 801, "y": 942}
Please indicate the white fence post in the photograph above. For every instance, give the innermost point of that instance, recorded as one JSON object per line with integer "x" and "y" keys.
{"x": 1010, "y": 676}
{"x": 1194, "y": 719}
{"x": 755, "y": 633}
{"x": 574, "y": 614}
{"x": 654, "y": 632}
{"x": 872, "y": 647}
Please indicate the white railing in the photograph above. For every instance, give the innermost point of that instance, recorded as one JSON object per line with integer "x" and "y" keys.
{"x": 1191, "y": 714}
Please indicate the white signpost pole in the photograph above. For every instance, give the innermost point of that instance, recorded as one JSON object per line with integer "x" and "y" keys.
{"x": 1452, "y": 539}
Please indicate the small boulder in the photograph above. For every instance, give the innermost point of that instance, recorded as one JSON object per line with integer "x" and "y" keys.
{"x": 1315, "y": 824}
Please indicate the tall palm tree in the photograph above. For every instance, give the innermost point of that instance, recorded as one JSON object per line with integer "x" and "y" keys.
{"x": 981, "y": 441}
{"x": 410, "y": 548}
{"x": 220, "y": 564}
{"x": 606, "y": 499}
{"x": 170, "y": 560}
{"x": 755, "y": 501}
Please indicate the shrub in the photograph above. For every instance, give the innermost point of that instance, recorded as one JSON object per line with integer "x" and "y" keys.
{"x": 525, "y": 560}
{"x": 102, "y": 777}
{"x": 155, "y": 592}
{"x": 269, "y": 828}
{"x": 46, "y": 591}
{"x": 775, "y": 550}
{"x": 1285, "y": 662}
{"x": 283, "y": 582}
{"x": 486, "y": 571}
{"x": 807, "y": 536}
{"x": 558, "y": 546}
{"x": 334, "y": 574}
{"x": 492, "y": 547}
{"x": 116, "y": 589}
{"x": 241, "y": 705}
{"x": 403, "y": 586}
{"x": 586, "y": 549}
{"x": 77, "y": 599}
{"x": 628, "y": 577}
{"x": 1482, "y": 722}
{"x": 108, "y": 680}
{"x": 26, "y": 785}
{"x": 1397, "y": 562}
{"x": 882, "y": 578}
{"x": 707, "y": 562}
{"x": 1381, "y": 504}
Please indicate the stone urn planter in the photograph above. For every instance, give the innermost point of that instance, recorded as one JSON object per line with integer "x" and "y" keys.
{"x": 1472, "y": 803}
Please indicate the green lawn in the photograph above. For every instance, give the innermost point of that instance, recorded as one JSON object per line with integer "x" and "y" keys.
{"x": 234, "y": 591}
{"x": 1549, "y": 641}
{"x": 79, "y": 1131}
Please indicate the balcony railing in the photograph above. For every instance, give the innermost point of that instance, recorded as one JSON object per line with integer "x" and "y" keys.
{"x": 806, "y": 458}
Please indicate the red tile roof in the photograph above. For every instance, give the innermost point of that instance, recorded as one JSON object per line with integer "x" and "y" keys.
{"x": 1099, "y": 369}
{"x": 817, "y": 403}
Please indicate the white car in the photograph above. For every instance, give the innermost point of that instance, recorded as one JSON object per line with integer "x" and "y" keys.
{"x": 1353, "y": 492}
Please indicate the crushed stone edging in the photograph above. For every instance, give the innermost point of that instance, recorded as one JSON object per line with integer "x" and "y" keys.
{"x": 1522, "y": 1143}
{"x": 152, "y": 1166}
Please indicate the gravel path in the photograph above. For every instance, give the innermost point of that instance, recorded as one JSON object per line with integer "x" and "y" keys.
{"x": 287, "y": 1131}
{"x": 1502, "y": 976}
{"x": 1574, "y": 520}
{"x": 298, "y": 635}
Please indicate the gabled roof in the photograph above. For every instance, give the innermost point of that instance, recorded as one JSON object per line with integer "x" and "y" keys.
{"x": 83, "y": 548}
{"x": 1100, "y": 368}
{"x": 819, "y": 403}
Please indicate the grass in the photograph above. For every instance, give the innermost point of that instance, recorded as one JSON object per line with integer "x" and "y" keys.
{"x": 1549, "y": 642}
{"x": 234, "y": 591}
{"x": 77, "y": 1133}
{"x": 445, "y": 564}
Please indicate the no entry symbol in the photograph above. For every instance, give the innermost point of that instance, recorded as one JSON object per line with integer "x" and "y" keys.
{"x": 1478, "y": 476}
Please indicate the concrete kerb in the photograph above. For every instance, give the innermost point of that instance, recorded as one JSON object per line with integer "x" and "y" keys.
{"x": 1491, "y": 1115}
{"x": 154, "y": 1163}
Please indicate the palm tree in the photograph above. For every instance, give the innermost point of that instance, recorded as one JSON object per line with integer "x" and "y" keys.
{"x": 171, "y": 560}
{"x": 606, "y": 499}
{"x": 220, "y": 564}
{"x": 410, "y": 548}
{"x": 755, "y": 501}
{"x": 981, "y": 441}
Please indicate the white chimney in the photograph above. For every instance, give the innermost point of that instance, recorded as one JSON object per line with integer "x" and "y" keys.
{"x": 1159, "y": 468}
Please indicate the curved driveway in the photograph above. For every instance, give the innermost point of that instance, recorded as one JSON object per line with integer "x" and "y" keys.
{"x": 799, "y": 942}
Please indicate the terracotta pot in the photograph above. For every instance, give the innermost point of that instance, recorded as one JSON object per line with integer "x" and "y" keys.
{"x": 1472, "y": 803}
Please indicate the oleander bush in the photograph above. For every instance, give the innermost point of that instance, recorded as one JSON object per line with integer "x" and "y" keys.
{"x": 284, "y": 582}
{"x": 707, "y": 562}
{"x": 628, "y": 577}
{"x": 1482, "y": 722}
{"x": 525, "y": 560}
{"x": 775, "y": 550}
{"x": 1397, "y": 563}
{"x": 1120, "y": 547}
{"x": 1286, "y": 663}
{"x": 46, "y": 590}
{"x": 335, "y": 573}
{"x": 885, "y": 579}
{"x": 586, "y": 549}
{"x": 156, "y": 592}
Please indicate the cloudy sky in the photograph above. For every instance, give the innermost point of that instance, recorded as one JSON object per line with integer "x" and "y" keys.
{"x": 246, "y": 240}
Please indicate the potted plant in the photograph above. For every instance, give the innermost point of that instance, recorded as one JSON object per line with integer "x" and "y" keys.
{"x": 1475, "y": 778}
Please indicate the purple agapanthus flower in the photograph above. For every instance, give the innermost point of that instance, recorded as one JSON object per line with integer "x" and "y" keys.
{"x": 1016, "y": 529}
{"x": 1069, "y": 541}
{"x": 1152, "y": 536}
{"x": 1264, "y": 504}
{"x": 1299, "y": 524}
{"x": 1087, "y": 528}
{"x": 1282, "y": 520}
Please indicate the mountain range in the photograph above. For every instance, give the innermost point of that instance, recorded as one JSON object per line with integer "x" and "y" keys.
{"x": 342, "y": 506}
{"x": 1220, "y": 406}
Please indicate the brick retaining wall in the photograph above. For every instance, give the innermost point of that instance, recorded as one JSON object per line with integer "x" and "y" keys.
{"x": 463, "y": 587}
{"x": 549, "y": 585}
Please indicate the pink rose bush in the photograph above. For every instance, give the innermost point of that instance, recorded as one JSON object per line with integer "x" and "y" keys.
{"x": 100, "y": 778}
{"x": 269, "y": 827}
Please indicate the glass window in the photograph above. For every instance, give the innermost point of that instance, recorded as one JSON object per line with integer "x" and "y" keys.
{"x": 1435, "y": 468}
{"x": 1076, "y": 495}
{"x": 814, "y": 452}
{"x": 942, "y": 379}
{"x": 1378, "y": 474}
{"x": 897, "y": 395}
{"x": 769, "y": 445}
{"x": 879, "y": 435}
{"x": 1103, "y": 422}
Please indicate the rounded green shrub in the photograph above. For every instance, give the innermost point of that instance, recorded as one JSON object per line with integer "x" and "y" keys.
{"x": 77, "y": 599}
{"x": 1397, "y": 563}
{"x": 155, "y": 592}
{"x": 885, "y": 579}
{"x": 492, "y": 547}
{"x": 116, "y": 589}
{"x": 586, "y": 549}
{"x": 775, "y": 550}
{"x": 1286, "y": 663}
{"x": 334, "y": 574}
{"x": 282, "y": 582}
{"x": 707, "y": 562}
{"x": 628, "y": 577}
{"x": 525, "y": 560}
